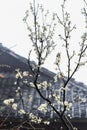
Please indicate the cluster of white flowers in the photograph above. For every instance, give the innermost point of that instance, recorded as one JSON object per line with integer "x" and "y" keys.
{"x": 39, "y": 85}
{"x": 8, "y": 101}
{"x": 75, "y": 128}
{"x": 21, "y": 111}
{"x": 58, "y": 75}
{"x": 14, "y": 106}
{"x": 19, "y": 74}
{"x": 46, "y": 122}
{"x": 68, "y": 105}
{"x": 25, "y": 81}
{"x": 15, "y": 83}
{"x": 49, "y": 84}
{"x": 57, "y": 97}
{"x": 69, "y": 116}
{"x": 30, "y": 98}
{"x": 62, "y": 89}
{"x": 44, "y": 84}
{"x": 25, "y": 73}
{"x": 61, "y": 103}
{"x": 61, "y": 75}
{"x": 43, "y": 107}
{"x": 31, "y": 84}
{"x": 80, "y": 99}
{"x": 83, "y": 100}
{"x": 35, "y": 118}
{"x": 18, "y": 91}
{"x": 55, "y": 78}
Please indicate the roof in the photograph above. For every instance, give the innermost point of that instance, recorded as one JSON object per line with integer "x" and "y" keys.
{"x": 9, "y": 61}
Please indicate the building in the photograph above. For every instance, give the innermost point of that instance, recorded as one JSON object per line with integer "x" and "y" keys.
{"x": 9, "y": 61}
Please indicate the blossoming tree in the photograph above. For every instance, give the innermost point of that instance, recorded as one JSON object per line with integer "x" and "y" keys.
{"x": 41, "y": 34}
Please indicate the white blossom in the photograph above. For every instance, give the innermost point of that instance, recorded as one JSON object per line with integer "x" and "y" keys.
{"x": 68, "y": 105}
{"x": 35, "y": 118}
{"x": 75, "y": 128}
{"x": 55, "y": 78}
{"x": 43, "y": 107}
{"x": 25, "y": 73}
{"x": 39, "y": 85}
{"x": 19, "y": 75}
{"x": 31, "y": 84}
{"x": 15, "y": 83}
{"x": 25, "y": 81}
{"x": 8, "y": 101}
{"x": 14, "y": 106}
{"x": 83, "y": 100}
{"x": 30, "y": 98}
{"x": 21, "y": 111}
{"x": 61, "y": 76}
{"x": 18, "y": 89}
{"x": 44, "y": 84}
{"x": 39, "y": 120}
{"x": 62, "y": 88}
{"x": 57, "y": 97}
{"x": 49, "y": 84}
{"x": 46, "y": 122}
{"x": 61, "y": 103}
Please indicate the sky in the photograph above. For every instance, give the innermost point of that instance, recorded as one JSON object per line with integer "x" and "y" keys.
{"x": 14, "y": 35}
